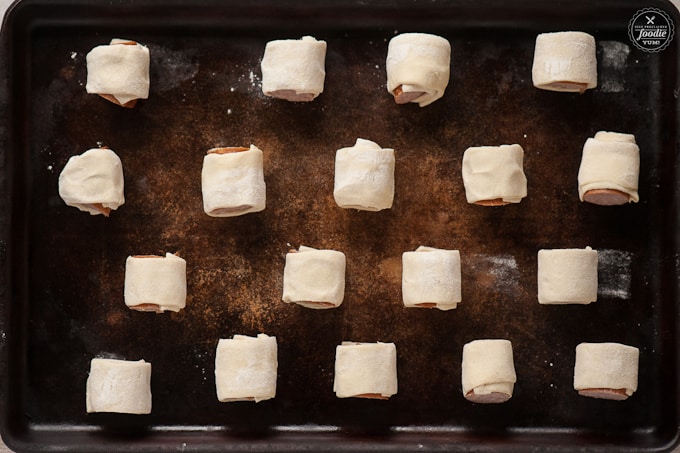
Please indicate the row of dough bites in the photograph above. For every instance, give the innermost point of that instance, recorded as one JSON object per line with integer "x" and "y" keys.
{"x": 246, "y": 370}
{"x": 608, "y": 174}
{"x": 232, "y": 179}
{"x": 417, "y": 64}
{"x": 417, "y": 67}
{"x": 316, "y": 278}
{"x": 431, "y": 278}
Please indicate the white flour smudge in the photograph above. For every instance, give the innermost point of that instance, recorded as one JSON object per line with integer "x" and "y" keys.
{"x": 614, "y": 273}
{"x": 614, "y": 55}
{"x": 250, "y": 81}
{"x": 171, "y": 67}
{"x": 502, "y": 268}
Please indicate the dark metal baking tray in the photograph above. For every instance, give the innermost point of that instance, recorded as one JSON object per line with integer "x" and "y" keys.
{"x": 62, "y": 284}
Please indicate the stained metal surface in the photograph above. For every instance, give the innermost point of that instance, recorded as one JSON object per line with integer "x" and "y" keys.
{"x": 63, "y": 287}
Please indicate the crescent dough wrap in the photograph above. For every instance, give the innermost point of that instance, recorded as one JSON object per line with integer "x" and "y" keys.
{"x": 606, "y": 366}
{"x": 365, "y": 370}
{"x": 93, "y": 181}
{"x": 246, "y": 368}
{"x": 119, "y": 70}
{"x": 119, "y": 386}
{"x": 611, "y": 160}
{"x": 294, "y": 69}
{"x": 364, "y": 176}
{"x": 565, "y": 61}
{"x": 494, "y": 173}
{"x": 488, "y": 368}
{"x": 155, "y": 283}
{"x": 567, "y": 276}
{"x": 314, "y": 278}
{"x": 420, "y": 63}
{"x": 233, "y": 183}
{"x": 431, "y": 276}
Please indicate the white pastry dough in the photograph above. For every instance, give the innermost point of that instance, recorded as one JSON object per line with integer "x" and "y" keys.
{"x": 93, "y": 181}
{"x": 120, "y": 70}
{"x": 246, "y": 368}
{"x": 488, "y": 371}
{"x": 155, "y": 283}
{"x": 364, "y": 176}
{"x": 119, "y": 386}
{"x": 314, "y": 278}
{"x": 567, "y": 276}
{"x": 232, "y": 181}
{"x": 418, "y": 63}
{"x": 365, "y": 370}
{"x": 611, "y": 160}
{"x": 431, "y": 277}
{"x": 494, "y": 175}
{"x": 606, "y": 370}
{"x": 565, "y": 61}
{"x": 294, "y": 69}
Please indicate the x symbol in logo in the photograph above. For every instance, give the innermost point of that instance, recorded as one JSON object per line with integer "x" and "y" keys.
{"x": 650, "y": 20}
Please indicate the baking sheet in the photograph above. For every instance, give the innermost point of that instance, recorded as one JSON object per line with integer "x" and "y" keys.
{"x": 63, "y": 284}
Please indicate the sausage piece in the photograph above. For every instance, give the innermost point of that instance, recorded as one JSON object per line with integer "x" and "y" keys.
{"x": 404, "y": 97}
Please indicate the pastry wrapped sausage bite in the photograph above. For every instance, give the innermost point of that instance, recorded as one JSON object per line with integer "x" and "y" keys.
{"x": 294, "y": 70}
{"x": 365, "y": 370}
{"x": 364, "y": 176}
{"x": 610, "y": 169}
{"x": 494, "y": 175}
{"x": 232, "y": 181}
{"x": 155, "y": 283}
{"x": 431, "y": 278}
{"x": 93, "y": 182}
{"x": 488, "y": 371}
{"x": 119, "y": 72}
{"x": 565, "y": 61}
{"x": 246, "y": 368}
{"x": 567, "y": 276}
{"x": 606, "y": 370}
{"x": 314, "y": 278}
{"x": 418, "y": 67}
{"x": 119, "y": 386}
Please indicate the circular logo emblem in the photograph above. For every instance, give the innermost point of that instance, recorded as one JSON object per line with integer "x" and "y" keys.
{"x": 651, "y": 30}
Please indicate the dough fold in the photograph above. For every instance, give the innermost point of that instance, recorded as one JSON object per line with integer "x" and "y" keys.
{"x": 488, "y": 368}
{"x": 419, "y": 63}
{"x": 119, "y": 386}
{"x": 314, "y": 278}
{"x": 606, "y": 366}
{"x": 364, "y": 176}
{"x": 567, "y": 276}
{"x": 93, "y": 181}
{"x": 246, "y": 368}
{"x": 611, "y": 160}
{"x": 431, "y": 276}
{"x": 155, "y": 283}
{"x": 294, "y": 70}
{"x": 565, "y": 61}
{"x": 120, "y": 70}
{"x": 494, "y": 174}
{"x": 365, "y": 370}
{"x": 232, "y": 181}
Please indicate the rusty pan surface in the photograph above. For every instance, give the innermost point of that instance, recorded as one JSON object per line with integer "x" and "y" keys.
{"x": 62, "y": 291}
